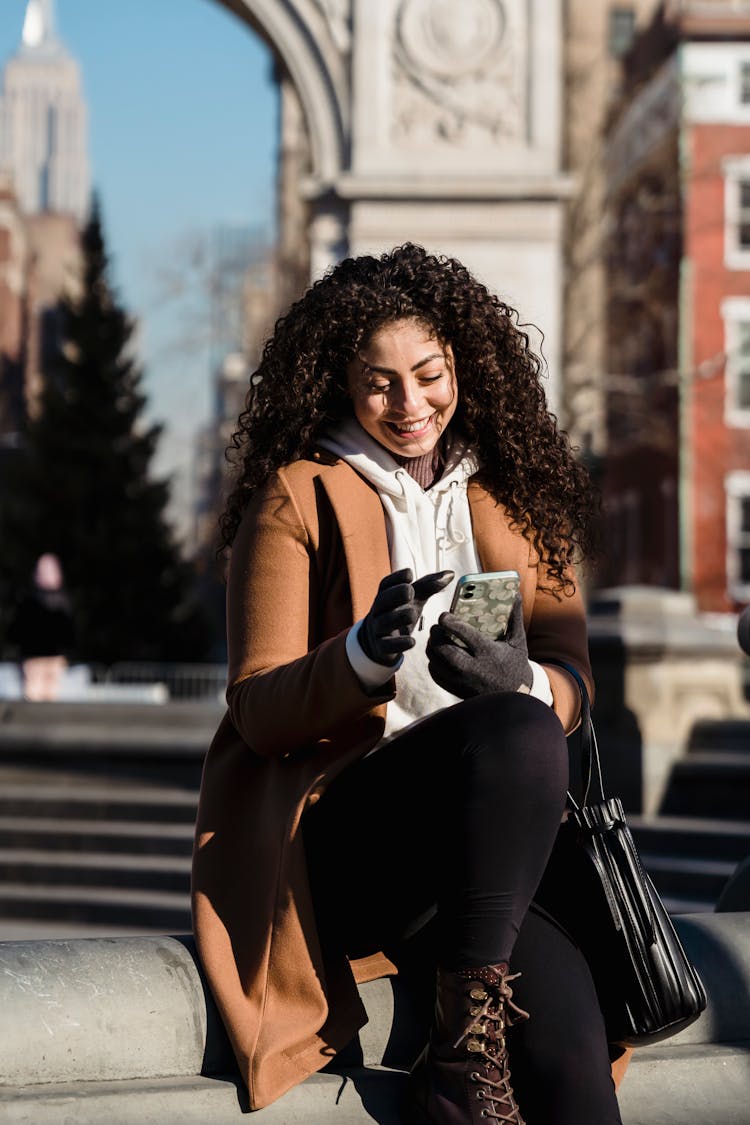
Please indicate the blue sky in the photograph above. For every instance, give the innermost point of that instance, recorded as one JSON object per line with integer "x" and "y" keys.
{"x": 182, "y": 120}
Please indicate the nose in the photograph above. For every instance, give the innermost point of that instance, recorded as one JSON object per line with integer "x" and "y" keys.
{"x": 406, "y": 398}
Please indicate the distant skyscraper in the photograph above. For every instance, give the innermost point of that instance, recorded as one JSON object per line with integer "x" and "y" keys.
{"x": 43, "y": 121}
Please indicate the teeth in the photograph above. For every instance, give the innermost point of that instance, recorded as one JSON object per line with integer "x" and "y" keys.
{"x": 412, "y": 426}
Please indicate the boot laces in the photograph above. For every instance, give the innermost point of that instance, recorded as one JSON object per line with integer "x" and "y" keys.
{"x": 492, "y": 1010}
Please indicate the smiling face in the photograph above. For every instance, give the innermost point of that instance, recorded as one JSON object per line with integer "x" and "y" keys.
{"x": 403, "y": 387}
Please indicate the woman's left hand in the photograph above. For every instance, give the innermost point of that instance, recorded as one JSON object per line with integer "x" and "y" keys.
{"x": 465, "y": 662}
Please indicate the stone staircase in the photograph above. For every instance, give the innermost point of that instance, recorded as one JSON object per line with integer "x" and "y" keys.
{"x": 96, "y": 813}
{"x": 703, "y": 828}
{"x": 97, "y": 804}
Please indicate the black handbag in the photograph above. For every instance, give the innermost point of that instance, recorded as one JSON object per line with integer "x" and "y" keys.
{"x": 597, "y": 889}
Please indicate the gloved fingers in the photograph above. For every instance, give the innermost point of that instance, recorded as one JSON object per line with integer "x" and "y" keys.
{"x": 449, "y": 678}
{"x": 443, "y": 650}
{"x": 398, "y": 578}
{"x": 439, "y": 639}
{"x": 439, "y": 676}
{"x": 430, "y": 584}
{"x": 396, "y": 643}
{"x": 401, "y": 617}
{"x": 391, "y": 598}
{"x": 515, "y": 629}
{"x": 463, "y": 632}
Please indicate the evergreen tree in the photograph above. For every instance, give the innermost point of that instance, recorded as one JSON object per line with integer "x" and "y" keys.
{"x": 90, "y": 498}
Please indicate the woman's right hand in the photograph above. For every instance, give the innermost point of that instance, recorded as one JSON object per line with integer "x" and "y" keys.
{"x": 387, "y": 629}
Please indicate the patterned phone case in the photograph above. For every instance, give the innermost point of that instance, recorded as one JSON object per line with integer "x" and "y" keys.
{"x": 485, "y": 600}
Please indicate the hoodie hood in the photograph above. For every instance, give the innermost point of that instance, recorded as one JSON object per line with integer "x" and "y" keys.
{"x": 426, "y": 527}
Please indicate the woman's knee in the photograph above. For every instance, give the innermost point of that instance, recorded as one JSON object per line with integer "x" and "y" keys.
{"x": 507, "y": 743}
{"x": 512, "y": 724}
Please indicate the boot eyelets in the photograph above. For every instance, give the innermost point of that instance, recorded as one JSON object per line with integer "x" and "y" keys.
{"x": 476, "y": 1011}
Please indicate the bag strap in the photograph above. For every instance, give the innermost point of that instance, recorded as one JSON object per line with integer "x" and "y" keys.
{"x": 591, "y": 766}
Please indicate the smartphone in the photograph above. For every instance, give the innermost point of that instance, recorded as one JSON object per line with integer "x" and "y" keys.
{"x": 485, "y": 600}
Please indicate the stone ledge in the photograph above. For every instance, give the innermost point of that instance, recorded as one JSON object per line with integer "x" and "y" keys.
{"x": 123, "y": 1030}
{"x": 364, "y": 1095}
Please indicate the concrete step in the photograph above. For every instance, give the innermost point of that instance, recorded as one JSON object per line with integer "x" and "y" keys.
{"x": 80, "y": 869}
{"x": 92, "y": 800}
{"x": 709, "y": 785}
{"x": 707, "y": 1084}
{"x": 720, "y": 735}
{"x": 699, "y": 837}
{"x": 43, "y": 834}
{"x": 700, "y": 879}
{"x": 182, "y": 714}
{"x": 144, "y": 747}
{"x": 133, "y": 758}
{"x": 677, "y": 904}
{"x": 690, "y": 858}
{"x": 168, "y": 910}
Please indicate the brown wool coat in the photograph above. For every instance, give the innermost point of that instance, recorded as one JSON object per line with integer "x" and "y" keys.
{"x": 306, "y": 564}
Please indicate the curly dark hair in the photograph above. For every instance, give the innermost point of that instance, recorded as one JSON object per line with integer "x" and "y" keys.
{"x": 299, "y": 389}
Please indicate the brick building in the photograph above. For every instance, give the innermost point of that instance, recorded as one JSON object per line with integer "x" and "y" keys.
{"x": 677, "y": 475}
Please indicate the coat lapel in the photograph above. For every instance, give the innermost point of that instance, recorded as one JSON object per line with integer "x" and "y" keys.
{"x": 361, "y": 522}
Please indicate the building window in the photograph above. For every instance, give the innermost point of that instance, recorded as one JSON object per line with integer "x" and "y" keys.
{"x": 737, "y": 213}
{"x": 743, "y": 216}
{"x": 738, "y": 535}
{"x": 745, "y": 83}
{"x": 736, "y": 314}
{"x": 742, "y": 367}
{"x": 621, "y": 31}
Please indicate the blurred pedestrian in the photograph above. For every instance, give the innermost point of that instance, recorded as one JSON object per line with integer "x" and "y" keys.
{"x": 42, "y": 630}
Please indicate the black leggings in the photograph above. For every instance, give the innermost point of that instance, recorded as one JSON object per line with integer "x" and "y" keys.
{"x": 460, "y": 813}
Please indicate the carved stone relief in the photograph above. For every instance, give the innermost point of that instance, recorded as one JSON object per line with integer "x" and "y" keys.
{"x": 460, "y": 72}
{"x": 338, "y": 16}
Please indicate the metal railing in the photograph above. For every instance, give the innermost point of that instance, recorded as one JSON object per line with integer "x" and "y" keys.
{"x": 182, "y": 681}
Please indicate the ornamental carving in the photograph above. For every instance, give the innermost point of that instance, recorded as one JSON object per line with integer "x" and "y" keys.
{"x": 460, "y": 71}
{"x": 337, "y": 14}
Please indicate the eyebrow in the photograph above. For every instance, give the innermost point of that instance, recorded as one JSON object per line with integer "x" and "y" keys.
{"x": 391, "y": 371}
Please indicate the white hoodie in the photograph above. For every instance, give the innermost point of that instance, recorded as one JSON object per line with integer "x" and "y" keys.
{"x": 428, "y": 531}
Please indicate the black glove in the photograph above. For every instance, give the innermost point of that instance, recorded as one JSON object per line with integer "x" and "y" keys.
{"x": 386, "y": 631}
{"x": 465, "y": 662}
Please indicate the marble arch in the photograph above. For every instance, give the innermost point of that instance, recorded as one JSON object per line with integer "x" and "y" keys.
{"x": 428, "y": 120}
{"x": 303, "y": 36}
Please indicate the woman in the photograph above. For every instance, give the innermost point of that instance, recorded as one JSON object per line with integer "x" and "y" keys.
{"x": 381, "y": 762}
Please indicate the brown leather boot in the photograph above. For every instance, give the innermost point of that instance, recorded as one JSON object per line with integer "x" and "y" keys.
{"x": 462, "y": 1077}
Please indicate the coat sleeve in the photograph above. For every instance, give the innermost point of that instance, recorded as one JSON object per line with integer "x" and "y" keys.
{"x": 285, "y": 691}
{"x": 556, "y": 630}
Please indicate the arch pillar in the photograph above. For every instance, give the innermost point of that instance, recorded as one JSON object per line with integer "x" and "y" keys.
{"x": 434, "y": 122}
